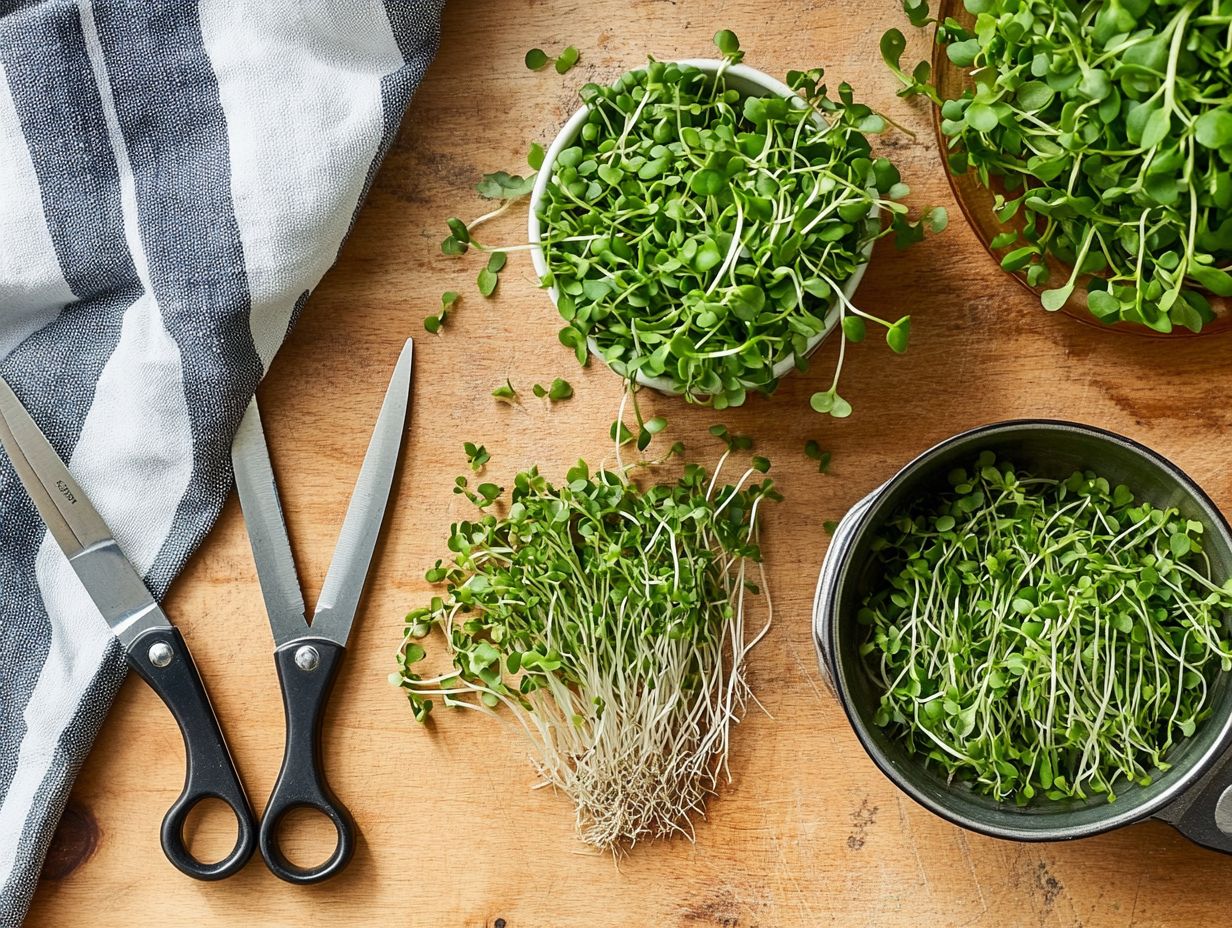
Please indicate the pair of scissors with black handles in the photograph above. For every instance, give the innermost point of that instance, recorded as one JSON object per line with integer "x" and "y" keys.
{"x": 307, "y": 656}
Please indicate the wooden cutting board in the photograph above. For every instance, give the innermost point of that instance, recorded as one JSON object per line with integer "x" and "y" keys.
{"x": 808, "y": 833}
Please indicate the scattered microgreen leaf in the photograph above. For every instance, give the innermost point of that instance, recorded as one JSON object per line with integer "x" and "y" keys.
{"x": 537, "y": 59}
{"x": 734, "y": 442}
{"x": 814, "y": 452}
{"x": 501, "y": 185}
{"x": 559, "y": 390}
{"x": 506, "y": 393}
{"x": 566, "y": 60}
{"x": 459, "y": 238}
{"x": 476, "y": 455}
{"x": 436, "y": 322}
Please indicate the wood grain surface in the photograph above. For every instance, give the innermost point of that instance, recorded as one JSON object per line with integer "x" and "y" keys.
{"x": 808, "y": 833}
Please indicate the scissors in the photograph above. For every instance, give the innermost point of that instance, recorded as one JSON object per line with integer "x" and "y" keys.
{"x": 307, "y": 656}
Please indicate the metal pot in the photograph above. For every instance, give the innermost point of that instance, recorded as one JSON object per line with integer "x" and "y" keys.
{"x": 1194, "y": 795}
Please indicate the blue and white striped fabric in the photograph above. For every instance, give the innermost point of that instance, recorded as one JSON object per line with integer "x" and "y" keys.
{"x": 175, "y": 178}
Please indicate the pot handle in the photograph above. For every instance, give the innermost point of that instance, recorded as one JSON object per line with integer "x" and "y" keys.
{"x": 1203, "y": 813}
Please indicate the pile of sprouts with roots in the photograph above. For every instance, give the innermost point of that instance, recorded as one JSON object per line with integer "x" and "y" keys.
{"x": 610, "y": 625}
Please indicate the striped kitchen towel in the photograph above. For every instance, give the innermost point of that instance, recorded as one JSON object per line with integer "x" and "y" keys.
{"x": 175, "y": 178}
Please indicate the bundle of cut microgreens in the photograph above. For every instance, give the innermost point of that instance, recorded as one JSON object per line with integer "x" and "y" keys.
{"x": 1105, "y": 128}
{"x": 610, "y": 624}
{"x": 1042, "y": 638}
{"x": 702, "y": 237}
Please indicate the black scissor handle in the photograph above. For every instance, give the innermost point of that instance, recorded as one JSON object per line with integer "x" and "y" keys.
{"x": 306, "y": 669}
{"x": 163, "y": 660}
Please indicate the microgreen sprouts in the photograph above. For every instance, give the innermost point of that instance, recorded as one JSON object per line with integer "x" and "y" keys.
{"x": 537, "y": 59}
{"x": 611, "y": 626}
{"x": 499, "y": 185}
{"x": 566, "y": 60}
{"x": 436, "y": 322}
{"x": 812, "y": 450}
{"x": 1043, "y": 639}
{"x": 489, "y": 276}
{"x": 1105, "y": 131}
{"x": 506, "y": 393}
{"x": 705, "y": 237}
{"x": 559, "y": 390}
{"x": 476, "y": 455}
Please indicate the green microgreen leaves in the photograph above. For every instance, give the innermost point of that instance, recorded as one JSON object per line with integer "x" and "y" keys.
{"x": 501, "y": 185}
{"x": 1105, "y": 133}
{"x": 813, "y": 451}
{"x": 459, "y": 238}
{"x": 489, "y": 276}
{"x": 566, "y": 60}
{"x": 537, "y": 59}
{"x": 1041, "y": 639}
{"x": 558, "y": 391}
{"x": 828, "y": 402}
{"x": 476, "y": 456}
{"x": 435, "y": 323}
{"x": 728, "y": 45}
{"x": 898, "y": 334}
{"x": 506, "y": 393}
{"x": 1213, "y": 128}
{"x": 713, "y": 252}
{"x": 732, "y": 441}
{"x": 575, "y": 607}
{"x": 482, "y": 496}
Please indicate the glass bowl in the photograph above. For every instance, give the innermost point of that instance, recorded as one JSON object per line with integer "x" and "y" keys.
{"x": 976, "y": 203}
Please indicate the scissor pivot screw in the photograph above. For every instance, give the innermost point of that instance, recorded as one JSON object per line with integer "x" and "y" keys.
{"x": 161, "y": 654}
{"x": 307, "y": 658}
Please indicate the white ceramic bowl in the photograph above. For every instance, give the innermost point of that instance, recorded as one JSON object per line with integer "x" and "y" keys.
{"x": 748, "y": 82}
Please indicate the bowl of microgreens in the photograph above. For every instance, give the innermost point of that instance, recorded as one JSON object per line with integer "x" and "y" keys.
{"x": 1090, "y": 147}
{"x": 702, "y": 226}
{"x": 1028, "y": 628}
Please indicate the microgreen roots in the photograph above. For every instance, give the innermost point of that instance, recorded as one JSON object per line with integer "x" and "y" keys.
{"x": 1043, "y": 639}
{"x": 1106, "y": 130}
{"x": 610, "y": 624}
{"x": 703, "y": 236}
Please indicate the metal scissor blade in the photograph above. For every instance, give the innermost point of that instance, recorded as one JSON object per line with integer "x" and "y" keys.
{"x": 344, "y": 583}
{"x": 70, "y": 517}
{"x": 267, "y": 529}
{"x": 111, "y": 580}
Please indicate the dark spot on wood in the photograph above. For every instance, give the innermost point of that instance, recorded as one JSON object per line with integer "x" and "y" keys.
{"x": 73, "y": 843}
{"x": 499, "y": 923}
{"x": 894, "y": 142}
{"x": 1050, "y": 888}
{"x": 719, "y": 910}
{"x": 861, "y": 820}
